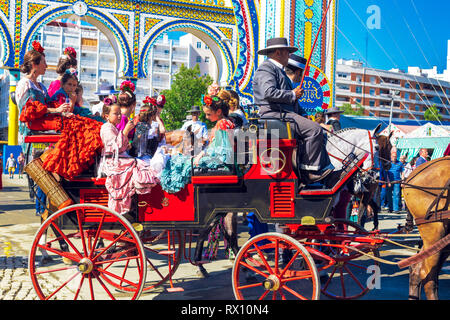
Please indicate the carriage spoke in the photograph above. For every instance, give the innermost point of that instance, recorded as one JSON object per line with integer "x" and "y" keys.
{"x": 110, "y": 245}
{"x": 79, "y": 288}
{"x": 264, "y": 295}
{"x": 97, "y": 234}
{"x": 55, "y": 270}
{"x": 105, "y": 288}
{"x": 104, "y": 272}
{"x": 263, "y": 258}
{"x": 64, "y": 254}
{"x": 63, "y": 285}
{"x": 81, "y": 230}
{"x": 91, "y": 287}
{"x": 289, "y": 263}
{"x": 296, "y": 294}
{"x": 344, "y": 293}
{"x": 66, "y": 239}
{"x": 265, "y": 275}
{"x": 354, "y": 278}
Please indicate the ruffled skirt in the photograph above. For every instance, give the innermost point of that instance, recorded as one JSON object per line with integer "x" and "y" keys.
{"x": 77, "y": 148}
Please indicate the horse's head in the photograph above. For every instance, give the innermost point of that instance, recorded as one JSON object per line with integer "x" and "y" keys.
{"x": 384, "y": 147}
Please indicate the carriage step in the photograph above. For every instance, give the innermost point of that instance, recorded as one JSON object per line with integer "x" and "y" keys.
{"x": 167, "y": 252}
{"x": 175, "y": 289}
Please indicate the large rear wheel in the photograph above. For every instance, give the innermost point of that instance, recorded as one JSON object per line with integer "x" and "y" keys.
{"x": 102, "y": 259}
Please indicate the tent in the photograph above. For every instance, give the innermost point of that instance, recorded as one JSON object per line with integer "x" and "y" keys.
{"x": 399, "y": 131}
{"x": 428, "y": 136}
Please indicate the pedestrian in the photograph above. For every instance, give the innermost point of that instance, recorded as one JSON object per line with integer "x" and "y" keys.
{"x": 1, "y": 170}
{"x": 21, "y": 162}
{"x": 403, "y": 159}
{"x": 410, "y": 166}
{"x": 333, "y": 116}
{"x": 11, "y": 165}
{"x": 423, "y": 157}
{"x": 393, "y": 189}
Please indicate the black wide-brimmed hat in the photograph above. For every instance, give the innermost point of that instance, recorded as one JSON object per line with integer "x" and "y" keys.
{"x": 106, "y": 89}
{"x": 276, "y": 43}
{"x": 333, "y": 110}
{"x": 195, "y": 109}
{"x": 297, "y": 62}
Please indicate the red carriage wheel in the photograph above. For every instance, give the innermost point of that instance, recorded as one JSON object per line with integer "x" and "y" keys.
{"x": 104, "y": 255}
{"x": 259, "y": 271}
{"x": 348, "y": 278}
{"x": 163, "y": 250}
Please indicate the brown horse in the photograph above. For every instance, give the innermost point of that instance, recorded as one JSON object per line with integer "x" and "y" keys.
{"x": 420, "y": 191}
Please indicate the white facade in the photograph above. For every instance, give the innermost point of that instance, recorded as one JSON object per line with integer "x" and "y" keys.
{"x": 95, "y": 55}
{"x": 97, "y": 62}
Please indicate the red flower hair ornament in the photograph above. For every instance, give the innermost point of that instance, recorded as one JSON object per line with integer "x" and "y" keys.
{"x": 69, "y": 51}
{"x": 149, "y": 100}
{"x": 37, "y": 47}
{"x": 161, "y": 100}
{"x": 127, "y": 85}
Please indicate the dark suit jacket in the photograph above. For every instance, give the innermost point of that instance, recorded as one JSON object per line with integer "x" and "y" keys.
{"x": 272, "y": 89}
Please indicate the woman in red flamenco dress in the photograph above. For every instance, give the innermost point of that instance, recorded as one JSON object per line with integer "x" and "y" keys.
{"x": 80, "y": 137}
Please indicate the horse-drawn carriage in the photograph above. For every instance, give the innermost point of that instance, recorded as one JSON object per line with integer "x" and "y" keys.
{"x": 97, "y": 252}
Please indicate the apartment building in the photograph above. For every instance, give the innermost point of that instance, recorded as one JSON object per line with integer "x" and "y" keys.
{"x": 97, "y": 61}
{"x": 373, "y": 88}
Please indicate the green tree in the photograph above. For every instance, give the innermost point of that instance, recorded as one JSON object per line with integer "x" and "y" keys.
{"x": 432, "y": 114}
{"x": 348, "y": 109}
{"x": 186, "y": 91}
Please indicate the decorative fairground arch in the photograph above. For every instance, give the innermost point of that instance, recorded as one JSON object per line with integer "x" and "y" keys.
{"x": 233, "y": 29}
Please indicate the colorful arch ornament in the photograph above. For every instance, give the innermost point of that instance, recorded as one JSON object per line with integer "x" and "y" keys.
{"x": 233, "y": 29}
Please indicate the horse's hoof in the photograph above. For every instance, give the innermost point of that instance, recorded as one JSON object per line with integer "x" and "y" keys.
{"x": 202, "y": 274}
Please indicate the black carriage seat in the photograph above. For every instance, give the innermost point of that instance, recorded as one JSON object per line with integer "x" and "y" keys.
{"x": 284, "y": 127}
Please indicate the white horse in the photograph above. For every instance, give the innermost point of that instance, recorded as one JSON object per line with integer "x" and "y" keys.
{"x": 359, "y": 141}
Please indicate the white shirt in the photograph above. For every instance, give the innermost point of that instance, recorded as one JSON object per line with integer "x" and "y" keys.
{"x": 199, "y": 128}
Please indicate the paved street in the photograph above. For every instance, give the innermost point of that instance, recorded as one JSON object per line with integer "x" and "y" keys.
{"x": 19, "y": 224}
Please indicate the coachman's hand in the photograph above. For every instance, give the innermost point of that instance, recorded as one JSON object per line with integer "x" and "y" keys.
{"x": 298, "y": 92}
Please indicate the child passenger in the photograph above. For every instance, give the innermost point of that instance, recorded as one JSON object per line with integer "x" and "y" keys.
{"x": 146, "y": 138}
{"x": 125, "y": 175}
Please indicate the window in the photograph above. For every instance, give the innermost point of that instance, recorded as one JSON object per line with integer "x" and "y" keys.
{"x": 206, "y": 59}
{"x": 417, "y": 108}
{"x": 199, "y": 59}
{"x": 343, "y": 87}
{"x": 199, "y": 45}
{"x": 206, "y": 47}
{"x": 407, "y": 86}
{"x": 372, "y": 103}
{"x": 358, "y": 90}
{"x": 358, "y": 78}
{"x": 372, "y": 92}
{"x": 372, "y": 80}
{"x": 406, "y": 96}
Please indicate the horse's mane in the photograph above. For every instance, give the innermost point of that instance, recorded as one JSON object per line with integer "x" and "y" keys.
{"x": 336, "y": 134}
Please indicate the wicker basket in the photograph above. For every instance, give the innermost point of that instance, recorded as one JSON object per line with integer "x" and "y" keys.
{"x": 45, "y": 180}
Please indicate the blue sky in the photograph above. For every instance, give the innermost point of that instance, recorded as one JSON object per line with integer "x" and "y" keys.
{"x": 411, "y": 33}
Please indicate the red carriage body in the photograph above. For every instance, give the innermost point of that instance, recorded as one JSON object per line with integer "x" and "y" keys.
{"x": 267, "y": 187}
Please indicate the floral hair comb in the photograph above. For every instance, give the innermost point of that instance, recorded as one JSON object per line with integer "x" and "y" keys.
{"x": 37, "y": 47}
{"x": 69, "y": 51}
{"x": 72, "y": 71}
{"x": 110, "y": 100}
{"x": 127, "y": 85}
{"x": 208, "y": 100}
